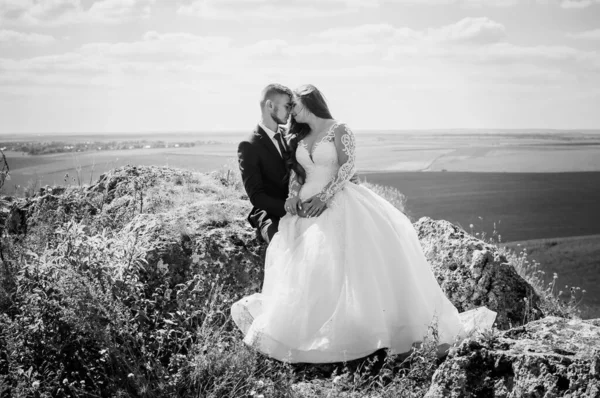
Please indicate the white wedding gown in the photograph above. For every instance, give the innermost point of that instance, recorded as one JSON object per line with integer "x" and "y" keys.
{"x": 349, "y": 282}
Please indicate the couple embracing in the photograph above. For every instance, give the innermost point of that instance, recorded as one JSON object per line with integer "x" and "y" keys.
{"x": 345, "y": 274}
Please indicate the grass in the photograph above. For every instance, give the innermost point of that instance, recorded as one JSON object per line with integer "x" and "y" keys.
{"x": 127, "y": 293}
{"x": 569, "y": 265}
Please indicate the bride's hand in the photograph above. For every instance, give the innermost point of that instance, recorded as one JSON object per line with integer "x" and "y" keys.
{"x": 291, "y": 205}
{"x": 314, "y": 207}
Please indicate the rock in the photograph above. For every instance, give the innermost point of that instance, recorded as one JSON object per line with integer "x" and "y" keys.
{"x": 178, "y": 252}
{"x": 473, "y": 273}
{"x": 16, "y": 219}
{"x": 550, "y": 357}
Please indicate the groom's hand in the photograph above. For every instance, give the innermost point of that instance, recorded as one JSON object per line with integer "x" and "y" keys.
{"x": 293, "y": 205}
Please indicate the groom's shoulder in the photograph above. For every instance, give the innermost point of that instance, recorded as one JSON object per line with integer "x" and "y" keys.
{"x": 250, "y": 142}
{"x": 251, "y": 138}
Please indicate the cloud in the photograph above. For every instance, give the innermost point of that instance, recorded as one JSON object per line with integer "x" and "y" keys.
{"x": 154, "y": 43}
{"x": 14, "y": 37}
{"x": 169, "y": 56}
{"x": 488, "y": 3}
{"x": 370, "y": 33}
{"x": 570, "y": 4}
{"x": 586, "y": 35}
{"x": 65, "y": 12}
{"x": 374, "y": 51}
{"x": 119, "y": 10}
{"x": 499, "y": 54}
{"x": 467, "y": 30}
{"x": 272, "y": 9}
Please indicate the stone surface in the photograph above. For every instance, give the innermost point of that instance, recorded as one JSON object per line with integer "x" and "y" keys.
{"x": 550, "y": 357}
{"x": 473, "y": 273}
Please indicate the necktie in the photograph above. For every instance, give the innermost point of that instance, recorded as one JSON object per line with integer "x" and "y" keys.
{"x": 280, "y": 143}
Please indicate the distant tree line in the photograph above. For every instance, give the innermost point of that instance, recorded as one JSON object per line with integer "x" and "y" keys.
{"x": 43, "y": 148}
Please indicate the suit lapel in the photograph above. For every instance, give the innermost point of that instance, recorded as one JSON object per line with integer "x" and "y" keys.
{"x": 268, "y": 142}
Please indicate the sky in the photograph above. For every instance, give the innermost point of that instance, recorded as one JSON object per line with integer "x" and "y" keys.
{"x": 110, "y": 66}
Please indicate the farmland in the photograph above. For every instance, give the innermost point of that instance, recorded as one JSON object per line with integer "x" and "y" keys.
{"x": 532, "y": 184}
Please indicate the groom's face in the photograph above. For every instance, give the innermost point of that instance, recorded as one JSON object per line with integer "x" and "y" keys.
{"x": 282, "y": 105}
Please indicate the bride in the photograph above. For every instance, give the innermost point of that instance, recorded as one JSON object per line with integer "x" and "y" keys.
{"x": 350, "y": 276}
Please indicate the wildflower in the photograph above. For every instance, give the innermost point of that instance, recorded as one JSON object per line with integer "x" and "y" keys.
{"x": 36, "y": 384}
{"x": 471, "y": 226}
{"x": 555, "y": 275}
{"x": 162, "y": 266}
{"x": 130, "y": 376}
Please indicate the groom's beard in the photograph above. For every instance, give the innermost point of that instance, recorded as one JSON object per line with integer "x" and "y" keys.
{"x": 276, "y": 118}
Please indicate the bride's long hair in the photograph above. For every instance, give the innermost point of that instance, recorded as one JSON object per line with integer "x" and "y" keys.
{"x": 312, "y": 99}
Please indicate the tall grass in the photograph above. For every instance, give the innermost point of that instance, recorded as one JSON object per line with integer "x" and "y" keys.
{"x": 127, "y": 294}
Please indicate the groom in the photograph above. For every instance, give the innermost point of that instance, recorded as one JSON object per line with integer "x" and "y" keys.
{"x": 262, "y": 162}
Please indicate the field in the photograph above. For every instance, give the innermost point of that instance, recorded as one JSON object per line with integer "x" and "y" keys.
{"x": 533, "y": 184}
{"x": 536, "y": 189}
{"x": 524, "y": 206}
{"x": 576, "y": 260}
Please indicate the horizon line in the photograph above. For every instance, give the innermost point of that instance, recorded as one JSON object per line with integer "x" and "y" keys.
{"x": 216, "y": 131}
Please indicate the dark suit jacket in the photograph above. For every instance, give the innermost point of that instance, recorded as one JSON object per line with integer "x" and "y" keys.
{"x": 264, "y": 175}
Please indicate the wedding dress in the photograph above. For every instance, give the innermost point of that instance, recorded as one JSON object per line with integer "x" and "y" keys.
{"x": 342, "y": 285}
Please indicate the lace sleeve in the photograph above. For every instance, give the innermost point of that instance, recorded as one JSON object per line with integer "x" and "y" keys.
{"x": 294, "y": 185}
{"x": 346, "y": 148}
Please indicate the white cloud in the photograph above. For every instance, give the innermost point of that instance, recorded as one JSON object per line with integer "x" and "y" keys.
{"x": 64, "y": 12}
{"x": 470, "y": 30}
{"x": 272, "y": 9}
{"x": 499, "y": 54}
{"x": 119, "y": 10}
{"x": 14, "y": 37}
{"x": 578, "y": 3}
{"x": 370, "y": 33}
{"x": 467, "y": 30}
{"x": 587, "y": 35}
{"x": 154, "y": 43}
{"x": 488, "y": 3}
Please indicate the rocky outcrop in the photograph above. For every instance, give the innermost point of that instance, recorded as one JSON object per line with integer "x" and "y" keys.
{"x": 471, "y": 272}
{"x": 474, "y": 273}
{"x": 550, "y": 357}
{"x": 230, "y": 255}
{"x": 190, "y": 230}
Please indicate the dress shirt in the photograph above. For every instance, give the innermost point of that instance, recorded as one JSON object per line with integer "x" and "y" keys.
{"x": 271, "y": 135}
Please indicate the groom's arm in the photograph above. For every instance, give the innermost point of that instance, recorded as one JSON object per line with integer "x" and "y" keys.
{"x": 253, "y": 182}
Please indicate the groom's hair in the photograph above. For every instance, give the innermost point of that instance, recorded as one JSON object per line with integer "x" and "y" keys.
{"x": 271, "y": 91}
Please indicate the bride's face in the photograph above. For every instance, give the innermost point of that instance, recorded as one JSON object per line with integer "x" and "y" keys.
{"x": 299, "y": 112}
